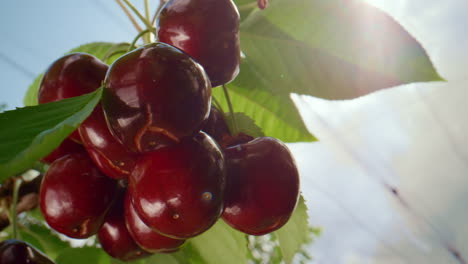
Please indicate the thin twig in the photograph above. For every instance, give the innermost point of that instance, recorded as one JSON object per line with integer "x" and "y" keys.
{"x": 148, "y": 18}
{"x": 139, "y": 15}
{"x": 231, "y": 110}
{"x": 13, "y": 212}
{"x": 161, "y": 5}
{"x": 129, "y": 15}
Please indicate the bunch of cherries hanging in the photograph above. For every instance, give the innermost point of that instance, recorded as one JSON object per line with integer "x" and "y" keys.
{"x": 155, "y": 163}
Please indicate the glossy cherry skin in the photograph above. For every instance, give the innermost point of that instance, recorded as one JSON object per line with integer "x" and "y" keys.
{"x": 72, "y": 75}
{"x": 216, "y": 126}
{"x": 14, "y": 251}
{"x": 75, "y": 196}
{"x": 144, "y": 236}
{"x": 263, "y": 186}
{"x": 114, "y": 236}
{"x": 155, "y": 96}
{"x": 109, "y": 155}
{"x": 179, "y": 190}
{"x": 66, "y": 147}
{"x": 208, "y": 30}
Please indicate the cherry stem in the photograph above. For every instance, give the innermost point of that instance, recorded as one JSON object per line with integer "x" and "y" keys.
{"x": 231, "y": 110}
{"x": 220, "y": 108}
{"x": 140, "y": 16}
{"x": 13, "y": 214}
{"x": 148, "y": 18}
{"x": 247, "y": 6}
{"x": 129, "y": 15}
{"x": 146, "y": 31}
{"x": 155, "y": 16}
{"x": 217, "y": 104}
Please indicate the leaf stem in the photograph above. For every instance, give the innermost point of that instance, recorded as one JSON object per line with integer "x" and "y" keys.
{"x": 231, "y": 110}
{"x": 139, "y": 15}
{"x": 146, "y": 31}
{"x": 13, "y": 214}
{"x": 129, "y": 15}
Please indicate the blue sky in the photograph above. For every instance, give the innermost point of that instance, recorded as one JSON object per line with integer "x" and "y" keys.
{"x": 35, "y": 33}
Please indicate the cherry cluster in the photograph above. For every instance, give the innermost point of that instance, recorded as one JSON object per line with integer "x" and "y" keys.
{"x": 155, "y": 163}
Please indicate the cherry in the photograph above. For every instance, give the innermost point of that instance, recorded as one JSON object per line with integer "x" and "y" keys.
{"x": 233, "y": 140}
{"x": 66, "y": 147}
{"x": 75, "y": 196}
{"x": 178, "y": 190}
{"x": 71, "y": 75}
{"x": 114, "y": 236}
{"x": 216, "y": 125}
{"x": 262, "y": 186}
{"x": 144, "y": 236}
{"x": 208, "y": 30}
{"x": 155, "y": 96}
{"x": 108, "y": 154}
{"x": 14, "y": 251}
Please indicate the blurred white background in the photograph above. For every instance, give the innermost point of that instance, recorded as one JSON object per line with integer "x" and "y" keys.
{"x": 388, "y": 181}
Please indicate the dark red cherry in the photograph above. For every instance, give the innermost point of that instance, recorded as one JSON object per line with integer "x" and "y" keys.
{"x": 179, "y": 190}
{"x": 72, "y": 75}
{"x": 75, "y": 196}
{"x": 208, "y": 30}
{"x": 145, "y": 236}
{"x": 216, "y": 126}
{"x": 232, "y": 140}
{"x": 155, "y": 96}
{"x": 114, "y": 236}
{"x": 66, "y": 147}
{"x": 262, "y": 186}
{"x": 14, "y": 251}
{"x": 108, "y": 154}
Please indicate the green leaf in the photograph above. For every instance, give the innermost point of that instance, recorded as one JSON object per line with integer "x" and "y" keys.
{"x": 43, "y": 238}
{"x": 245, "y": 124}
{"x": 32, "y": 132}
{"x": 101, "y": 49}
{"x": 98, "y": 49}
{"x": 83, "y": 255}
{"x": 330, "y": 49}
{"x": 325, "y": 48}
{"x": 275, "y": 115}
{"x": 220, "y": 242}
{"x": 295, "y": 233}
{"x": 30, "y": 98}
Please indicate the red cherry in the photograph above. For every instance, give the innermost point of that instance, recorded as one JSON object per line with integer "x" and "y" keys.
{"x": 239, "y": 138}
{"x": 155, "y": 96}
{"x": 72, "y": 75}
{"x": 108, "y": 154}
{"x": 178, "y": 190}
{"x": 216, "y": 126}
{"x": 145, "y": 236}
{"x": 263, "y": 186}
{"x": 14, "y": 251}
{"x": 66, "y": 147}
{"x": 208, "y": 30}
{"x": 114, "y": 236}
{"x": 75, "y": 196}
